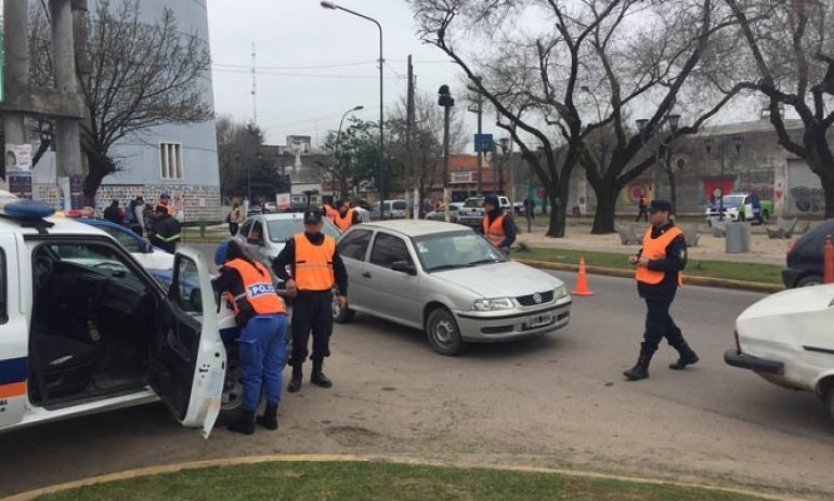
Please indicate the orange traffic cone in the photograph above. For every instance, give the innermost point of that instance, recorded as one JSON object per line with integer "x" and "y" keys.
{"x": 582, "y": 281}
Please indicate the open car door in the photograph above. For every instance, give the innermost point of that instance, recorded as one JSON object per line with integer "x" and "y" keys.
{"x": 189, "y": 362}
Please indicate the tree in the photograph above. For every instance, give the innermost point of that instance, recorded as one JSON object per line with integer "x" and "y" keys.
{"x": 355, "y": 154}
{"x": 141, "y": 76}
{"x": 786, "y": 54}
{"x": 243, "y": 165}
{"x": 541, "y": 82}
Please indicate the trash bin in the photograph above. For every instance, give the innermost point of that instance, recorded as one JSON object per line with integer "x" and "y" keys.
{"x": 738, "y": 238}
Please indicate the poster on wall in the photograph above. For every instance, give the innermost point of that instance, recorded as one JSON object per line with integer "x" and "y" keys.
{"x": 18, "y": 159}
{"x": 76, "y": 188}
{"x": 283, "y": 201}
{"x": 20, "y": 184}
{"x": 178, "y": 205}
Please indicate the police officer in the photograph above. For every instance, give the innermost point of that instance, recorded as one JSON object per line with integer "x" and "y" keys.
{"x": 330, "y": 211}
{"x": 497, "y": 226}
{"x": 316, "y": 267}
{"x": 346, "y": 217}
{"x": 262, "y": 318}
{"x": 660, "y": 263}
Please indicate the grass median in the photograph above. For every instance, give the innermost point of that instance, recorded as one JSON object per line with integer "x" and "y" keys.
{"x": 748, "y": 272}
{"x": 378, "y": 480}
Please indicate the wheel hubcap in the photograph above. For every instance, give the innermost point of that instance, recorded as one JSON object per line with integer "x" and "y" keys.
{"x": 444, "y": 332}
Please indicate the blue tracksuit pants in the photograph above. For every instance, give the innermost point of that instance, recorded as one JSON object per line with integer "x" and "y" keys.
{"x": 262, "y": 347}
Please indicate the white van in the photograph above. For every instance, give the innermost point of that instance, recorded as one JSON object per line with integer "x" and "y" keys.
{"x": 84, "y": 328}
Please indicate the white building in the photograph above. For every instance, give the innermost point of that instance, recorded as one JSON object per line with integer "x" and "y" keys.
{"x": 177, "y": 159}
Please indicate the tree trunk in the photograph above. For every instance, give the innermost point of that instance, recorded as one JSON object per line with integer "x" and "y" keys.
{"x": 606, "y": 209}
{"x": 558, "y": 210}
{"x": 100, "y": 167}
{"x": 673, "y": 191}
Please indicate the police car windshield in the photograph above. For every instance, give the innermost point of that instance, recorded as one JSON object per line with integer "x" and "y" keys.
{"x": 281, "y": 230}
{"x": 733, "y": 200}
{"x": 455, "y": 250}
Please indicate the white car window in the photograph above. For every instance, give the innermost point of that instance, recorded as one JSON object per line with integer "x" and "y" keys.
{"x": 389, "y": 249}
{"x": 354, "y": 245}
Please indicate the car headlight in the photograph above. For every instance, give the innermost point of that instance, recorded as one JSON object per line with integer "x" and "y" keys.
{"x": 502, "y": 303}
{"x": 560, "y": 292}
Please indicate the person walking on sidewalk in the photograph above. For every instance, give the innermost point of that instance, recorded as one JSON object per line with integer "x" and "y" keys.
{"x": 660, "y": 263}
{"x": 316, "y": 267}
{"x": 497, "y": 225}
{"x": 262, "y": 318}
{"x": 642, "y": 209}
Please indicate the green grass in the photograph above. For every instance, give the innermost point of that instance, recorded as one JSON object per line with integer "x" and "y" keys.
{"x": 750, "y": 272}
{"x": 377, "y": 480}
{"x": 213, "y": 235}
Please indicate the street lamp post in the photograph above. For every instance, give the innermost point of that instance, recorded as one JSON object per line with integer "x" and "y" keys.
{"x": 738, "y": 141}
{"x": 339, "y": 140}
{"x": 381, "y": 187}
{"x": 504, "y": 143}
{"x": 642, "y": 124}
{"x": 445, "y": 100}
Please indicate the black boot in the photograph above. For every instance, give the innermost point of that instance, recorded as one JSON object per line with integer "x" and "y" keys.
{"x": 687, "y": 357}
{"x": 640, "y": 369}
{"x": 317, "y": 377}
{"x": 245, "y": 423}
{"x": 295, "y": 382}
{"x": 269, "y": 419}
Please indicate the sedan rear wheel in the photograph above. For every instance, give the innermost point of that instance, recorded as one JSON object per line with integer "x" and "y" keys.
{"x": 809, "y": 281}
{"x": 443, "y": 333}
{"x": 829, "y": 400}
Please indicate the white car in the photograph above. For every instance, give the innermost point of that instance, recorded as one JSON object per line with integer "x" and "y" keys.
{"x": 785, "y": 339}
{"x": 84, "y": 328}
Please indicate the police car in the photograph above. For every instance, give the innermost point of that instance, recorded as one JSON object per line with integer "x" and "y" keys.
{"x": 84, "y": 328}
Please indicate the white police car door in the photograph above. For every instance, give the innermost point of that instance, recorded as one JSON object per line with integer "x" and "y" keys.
{"x": 14, "y": 336}
{"x": 190, "y": 361}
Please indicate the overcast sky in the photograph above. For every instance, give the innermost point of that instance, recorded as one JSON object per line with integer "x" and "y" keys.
{"x": 314, "y": 64}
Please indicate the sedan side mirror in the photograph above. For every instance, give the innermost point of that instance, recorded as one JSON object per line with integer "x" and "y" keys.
{"x": 404, "y": 267}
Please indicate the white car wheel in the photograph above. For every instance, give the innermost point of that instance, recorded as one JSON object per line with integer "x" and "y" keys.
{"x": 443, "y": 333}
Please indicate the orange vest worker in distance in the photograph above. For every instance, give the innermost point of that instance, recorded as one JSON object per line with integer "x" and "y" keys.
{"x": 262, "y": 345}
{"x": 315, "y": 268}
{"x": 497, "y": 226}
{"x": 165, "y": 201}
{"x": 660, "y": 263}
{"x": 330, "y": 213}
{"x": 346, "y": 217}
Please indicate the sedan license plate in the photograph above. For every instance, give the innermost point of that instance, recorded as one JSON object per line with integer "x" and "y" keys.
{"x": 539, "y": 320}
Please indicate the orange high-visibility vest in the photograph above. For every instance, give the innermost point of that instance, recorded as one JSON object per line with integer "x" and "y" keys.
{"x": 258, "y": 288}
{"x": 330, "y": 213}
{"x": 346, "y": 221}
{"x": 655, "y": 248}
{"x": 494, "y": 232}
{"x": 314, "y": 264}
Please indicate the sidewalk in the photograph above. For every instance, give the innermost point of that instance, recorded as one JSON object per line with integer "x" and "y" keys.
{"x": 763, "y": 250}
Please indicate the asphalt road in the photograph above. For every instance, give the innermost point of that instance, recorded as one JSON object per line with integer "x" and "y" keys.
{"x": 557, "y": 401}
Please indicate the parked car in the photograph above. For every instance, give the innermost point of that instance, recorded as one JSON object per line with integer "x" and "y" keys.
{"x": 741, "y": 207}
{"x": 805, "y": 257}
{"x": 784, "y": 338}
{"x": 472, "y": 212}
{"x": 448, "y": 281}
{"x": 440, "y": 214}
{"x": 151, "y": 258}
{"x": 394, "y": 209}
{"x": 87, "y": 329}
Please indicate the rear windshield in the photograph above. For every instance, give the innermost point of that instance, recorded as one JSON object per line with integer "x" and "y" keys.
{"x": 281, "y": 230}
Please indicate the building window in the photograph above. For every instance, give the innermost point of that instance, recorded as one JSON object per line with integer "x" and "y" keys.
{"x": 170, "y": 160}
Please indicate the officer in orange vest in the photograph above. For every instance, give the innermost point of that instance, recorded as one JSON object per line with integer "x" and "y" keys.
{"x": 262, "y": 318}
{"x": 346, "y": 217}
{"x": 330, "y": 212}
{"x": 316, "y": 268}
{"x": 660, "y": 263}
{"x": 497, "y": 226}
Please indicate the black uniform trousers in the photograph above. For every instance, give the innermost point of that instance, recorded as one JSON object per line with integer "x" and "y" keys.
{"x": 659, "y": 323}
{"x": 311, "y": 311}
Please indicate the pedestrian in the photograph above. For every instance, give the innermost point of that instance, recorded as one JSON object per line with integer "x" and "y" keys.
{"x": 114, "y": 213}
{"x": 148, "y": 218}
{"x": 660, "y": 263}
{"x": 497, "y": 226}
{"x": 346, "y": 217}
{"x": 166, "y": 231}
{"x": 133, "y": 215}
{"x": 642, "y": 207}
{"x": 235, "y": 218}
{"x": 165, "y": 202}
{"x": 331, "y": 210}
{"x": 262, "y": 318}
{"x": 316, "y": 267}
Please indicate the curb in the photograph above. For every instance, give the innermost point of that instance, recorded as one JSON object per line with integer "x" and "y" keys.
{"x": 724, "y": 283}
{"x": 323, "y": 458}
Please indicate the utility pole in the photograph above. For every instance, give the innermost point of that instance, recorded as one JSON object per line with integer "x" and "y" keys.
{"x": 409, "y": 130}
{"x": 479, "y": 110}
{"x": 67, "y": 130}
{"x": 16, "y": 47}
{"x": 446, "y": 101}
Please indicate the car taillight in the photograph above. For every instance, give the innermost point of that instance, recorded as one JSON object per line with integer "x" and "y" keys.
{"x": 738, "y": 345}
{"x": 791, "y": 248}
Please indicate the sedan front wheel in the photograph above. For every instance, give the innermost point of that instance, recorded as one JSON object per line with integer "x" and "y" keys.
{"x": 443, "y": 333}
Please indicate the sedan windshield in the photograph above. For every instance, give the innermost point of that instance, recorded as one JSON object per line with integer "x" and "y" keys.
{"x": 281, "y": 230}
{"x": 455, "y": 250}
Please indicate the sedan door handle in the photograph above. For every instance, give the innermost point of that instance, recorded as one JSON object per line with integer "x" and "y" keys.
{"x": 366, "y": 274}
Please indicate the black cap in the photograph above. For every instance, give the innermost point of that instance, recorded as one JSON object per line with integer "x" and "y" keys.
{"x": 658, "y": 205}
{"x": 492, "y": 200}
{"x": 312, "y": 216}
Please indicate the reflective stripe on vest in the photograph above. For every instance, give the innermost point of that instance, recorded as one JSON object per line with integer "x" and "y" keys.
{"x": 258, "y": 287}
{"x": 330, "y": 213}
{"x": 494, "y": 232}
{"x": 655, "y": 248}
{"x": 344, "y": 222}
{"x": 314, "y": 264}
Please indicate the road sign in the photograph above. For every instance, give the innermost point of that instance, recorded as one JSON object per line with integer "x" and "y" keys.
{"x": 483, "y": 143}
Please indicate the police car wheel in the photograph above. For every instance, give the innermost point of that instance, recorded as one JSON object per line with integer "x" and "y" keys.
{"x": 443, "y": 333}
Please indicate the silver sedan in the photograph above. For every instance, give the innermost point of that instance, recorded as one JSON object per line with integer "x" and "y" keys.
{"x": 448, "y": 281}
